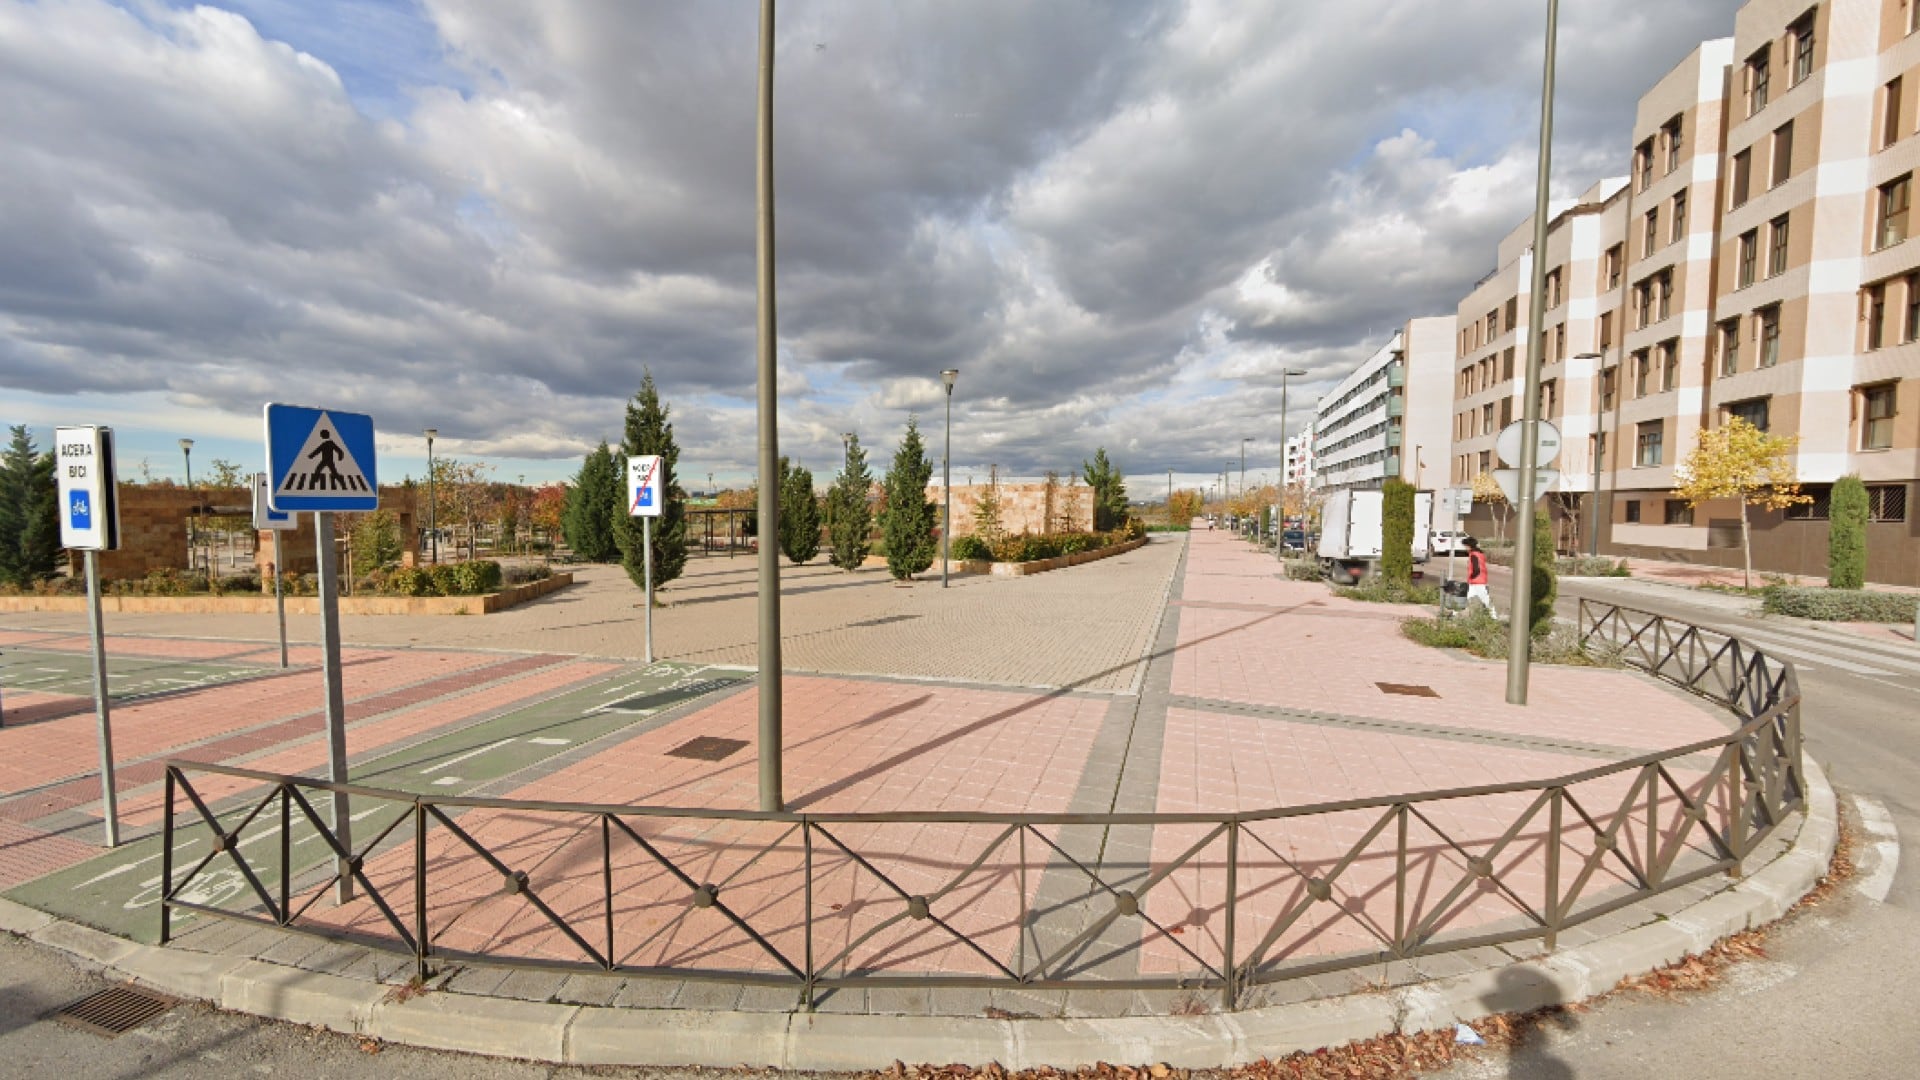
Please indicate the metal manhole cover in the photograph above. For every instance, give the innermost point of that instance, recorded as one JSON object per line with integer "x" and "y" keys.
{"x": 884, "y": 620}
{"x": 1407, "y": 689}
{"x": 708, "y": 748}
{"x": 115, "y": 1010}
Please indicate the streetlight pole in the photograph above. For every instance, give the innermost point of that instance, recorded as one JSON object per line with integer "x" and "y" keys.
{"x": 186, "y": 452}
{"x": 1169, "y": 498}
{"x": 765, "y": 345}
{"x": 1519, "y": 624}
{"x": 433, "y": 525}
{"x": 1243, "y": 466}
{"x": 946, "y": 481}
{"x": 1280, "y": 512}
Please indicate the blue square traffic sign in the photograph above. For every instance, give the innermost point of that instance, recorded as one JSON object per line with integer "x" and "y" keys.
{"x": 320, "y": 459}
{"x": 80, "y": 511}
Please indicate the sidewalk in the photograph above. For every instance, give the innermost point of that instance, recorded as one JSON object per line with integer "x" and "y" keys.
{"x": 1220, "y": 687}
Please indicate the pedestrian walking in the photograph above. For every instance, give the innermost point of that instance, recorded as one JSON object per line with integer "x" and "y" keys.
{"x": 1477, "y": 575}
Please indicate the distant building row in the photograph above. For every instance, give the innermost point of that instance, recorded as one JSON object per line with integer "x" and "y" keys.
{"x": 1754, "y": 262}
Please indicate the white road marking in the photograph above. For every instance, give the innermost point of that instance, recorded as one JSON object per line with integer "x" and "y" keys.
{"x": 1878, "y": 824}
{"x": 1798, "y": 654}
{"x": 448, "y": 781}
{"x": 452, "y": 761}
{"x": 545, "y": 741}
{"x": 1778, "y": 643}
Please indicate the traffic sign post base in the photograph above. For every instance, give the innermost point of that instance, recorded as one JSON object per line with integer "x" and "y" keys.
{"x": 109, "y": 803}
{"x": 336, "y": 698}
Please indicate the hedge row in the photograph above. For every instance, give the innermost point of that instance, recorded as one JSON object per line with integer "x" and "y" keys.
{"x": 1030, "y": 547}
{"x": 1841, "y": 605}
{"x": 447, "y": 579}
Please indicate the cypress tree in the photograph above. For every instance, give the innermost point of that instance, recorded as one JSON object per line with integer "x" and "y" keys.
{"x": 1109, "y": 491}
{"x": 1545, "y": 581}
{"x": 592, "y": 503}
{"x": 1396, "y": 532}
{"x": 799, "y": 513}
{"x": 649, "y": 432}
{"x": 850, "y": 522}
{"x": 1847, "y": 534}
{"x": 29, "y": 513}
{"x": 908, "y": 521}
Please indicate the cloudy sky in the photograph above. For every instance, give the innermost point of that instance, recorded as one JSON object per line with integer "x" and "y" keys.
{"x": 1117, "y": 219}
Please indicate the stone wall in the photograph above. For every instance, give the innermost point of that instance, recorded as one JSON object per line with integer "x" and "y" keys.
{"x": 155, "y": 523}
{"x": 299, "y": 555}
{"x": 1034, "y": 508}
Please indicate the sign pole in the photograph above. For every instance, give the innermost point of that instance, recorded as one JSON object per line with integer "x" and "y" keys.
{"x": 109, "y": 805}
{"x": 279, "y": 598}
{"x": 336, "y": 696}
{"x": 646, "y": 535}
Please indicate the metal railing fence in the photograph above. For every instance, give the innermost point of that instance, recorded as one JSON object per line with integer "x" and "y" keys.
{"x": 1215, "y": 902}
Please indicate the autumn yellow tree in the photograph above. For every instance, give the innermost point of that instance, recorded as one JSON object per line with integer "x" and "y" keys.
{"x": 1486, "y": 490}
{"x": 1739, "y": 461}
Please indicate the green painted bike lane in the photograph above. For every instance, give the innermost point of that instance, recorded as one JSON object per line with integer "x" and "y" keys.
{"x": 119, "y": 891}
{"x": 51, "y": 671}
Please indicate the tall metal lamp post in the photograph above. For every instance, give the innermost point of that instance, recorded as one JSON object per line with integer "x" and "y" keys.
{"x": 433, "y": 526}
{"x": 1519, "y": 625}
{"x": 765, "y": 347}
{"x": 1280, "y": 512}
{"x": 946, "y": 481}
{"x": 1243, "y": 466}
{"x": 186, "y": 452}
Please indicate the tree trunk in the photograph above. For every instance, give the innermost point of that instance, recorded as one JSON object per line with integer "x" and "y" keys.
{"x": 1746, "y": 550}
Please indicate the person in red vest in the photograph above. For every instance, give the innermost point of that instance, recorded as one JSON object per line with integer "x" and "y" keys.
{"x": 1477, "y": 574}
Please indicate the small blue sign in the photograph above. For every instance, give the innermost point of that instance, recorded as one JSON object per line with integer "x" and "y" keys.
{"x": 80, "y": 511}
{"x": 320, "y": 459}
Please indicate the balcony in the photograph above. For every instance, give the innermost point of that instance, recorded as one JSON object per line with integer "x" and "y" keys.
{"x": 1396, "y": 376}
{"x": 1396, "y": 406}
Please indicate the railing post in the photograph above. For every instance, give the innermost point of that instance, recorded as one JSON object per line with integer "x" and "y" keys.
{"x": 1229, "y": 990}
{"x": 806, "y": 868}
{"x": 286, "y": 855}
{"x": 1400, "y": 943}
{"x": 420, "y": 890}
{"x": 606, "y": 880}
{"x": 1736, "y": 809}
{"x": 1554, "y": 802}
{"x": 1653, "y": 823}
{"x": 166, "y": 865}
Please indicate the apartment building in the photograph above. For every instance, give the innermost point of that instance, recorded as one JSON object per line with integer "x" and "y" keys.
{"x": 1299, "y": 458}
{"x": 1754, "y": 263}
{"x": 1386, "y": 418}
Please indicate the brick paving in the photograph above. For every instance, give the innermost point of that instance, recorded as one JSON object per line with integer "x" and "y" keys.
{"x": 1083, "y": 691}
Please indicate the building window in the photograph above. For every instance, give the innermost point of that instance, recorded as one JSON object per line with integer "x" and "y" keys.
{"x": 1769, "y": 335}
{"x": 1642, "y": 365}
{"x": 1670, "y": 364}
{"x": 1890, "y": 113}
{"x": 1665, "y": 290}
{"x": 1547, "y": 397}
{"x": 1616, "y": 255}
{"x": 1651, "y": 239}
{"x": 1606, "y": 330}
{"x": 1632, "y": 511}
{"x": 1506, "y": 364}
{"x": 1729, "y": 347}
{"x": 1802, "y": 33}
{"x": 1672, "y": 133}
{"x": 1679, "y": 216}
{"x": 1493, "y": 324}
{"x": 1777, "y": 246}
{"x": 1647, "y": 443}
{"x": 1486, "y": 460}
{"x": 1877, "y": 431}
{"x": 1876, "y": 314}
{"x": 1742, "y": 177}
{"x": 1895, "y": 197}
{"x": 1643, "y": 163}
{"x": 1553, "y": 288}
{"x": 1608, "y": 382}
{"x": 1759, "y": 70}
{"x": 1679, "y": 512}
{"x": 1782, "y": 164}
{"x": 1749, "y": 255}
{"x": 1753, "y": 411}
{"x": 1486, "y": 418}
{"x": 1817, "y": 510}
{"x": 1887, "y": 502}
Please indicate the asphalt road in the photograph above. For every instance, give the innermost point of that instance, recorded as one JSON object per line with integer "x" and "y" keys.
{"x": 1834, "y": 996}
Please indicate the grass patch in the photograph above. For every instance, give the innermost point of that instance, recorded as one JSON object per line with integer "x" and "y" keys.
{"x": 1381, "y": 591}
{"x": 1483, "y": 634}
{"x": 1838, "y": 605}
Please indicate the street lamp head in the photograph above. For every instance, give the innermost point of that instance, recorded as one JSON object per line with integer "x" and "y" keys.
{"x": 432, "y": 434}
{"x": 947, "y": 376}
{"x": 186, "y": 445}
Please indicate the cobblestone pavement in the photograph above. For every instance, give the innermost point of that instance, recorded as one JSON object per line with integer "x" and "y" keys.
{"x": 1188, "y": 676}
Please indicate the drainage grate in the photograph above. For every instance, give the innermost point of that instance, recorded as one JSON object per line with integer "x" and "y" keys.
{"x": 708, "y": 748}
{"x": 884, "y": 620}
{"x": 1407, "y": 689}
{"x": 114, "y": 1011}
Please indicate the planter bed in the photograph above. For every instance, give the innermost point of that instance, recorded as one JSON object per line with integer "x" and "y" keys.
{"x": 480, "y": 604}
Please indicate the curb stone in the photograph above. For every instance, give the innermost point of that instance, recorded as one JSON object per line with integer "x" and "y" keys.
{"x": 594, "y": 1035}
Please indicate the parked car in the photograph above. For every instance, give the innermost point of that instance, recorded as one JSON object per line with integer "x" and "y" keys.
{"x": 1294, "y": 539}
{"x": 1448, "y": 542}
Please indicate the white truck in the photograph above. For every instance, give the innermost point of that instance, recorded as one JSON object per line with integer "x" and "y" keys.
{"x": 1350, "y": 533}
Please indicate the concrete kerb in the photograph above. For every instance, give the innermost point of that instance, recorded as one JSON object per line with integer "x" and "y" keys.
{"x": 596, "y": 1035}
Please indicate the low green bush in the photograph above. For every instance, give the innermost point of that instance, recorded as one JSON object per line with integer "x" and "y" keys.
{"x": 1169, "y": 528}
{"x": 971, "y": 549}
{"x": 407, "y": 581}
{"x": 1838, "y": 605}
{"x": 476, "y": 577}
{"x": 1483, "y": 634}
{"x": 1030, "y": 547}
{"x": 1305, "y": 570}
{"x": 1382, "y": 591}
{"x": 444, "y": 580}
{"x": 522, "y": 575}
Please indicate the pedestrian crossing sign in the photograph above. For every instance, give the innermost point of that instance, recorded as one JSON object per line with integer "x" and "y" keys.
{"x": 320, "y": 459}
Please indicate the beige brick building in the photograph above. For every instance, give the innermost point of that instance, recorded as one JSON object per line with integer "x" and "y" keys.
{"x": 1755, "y": 263}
